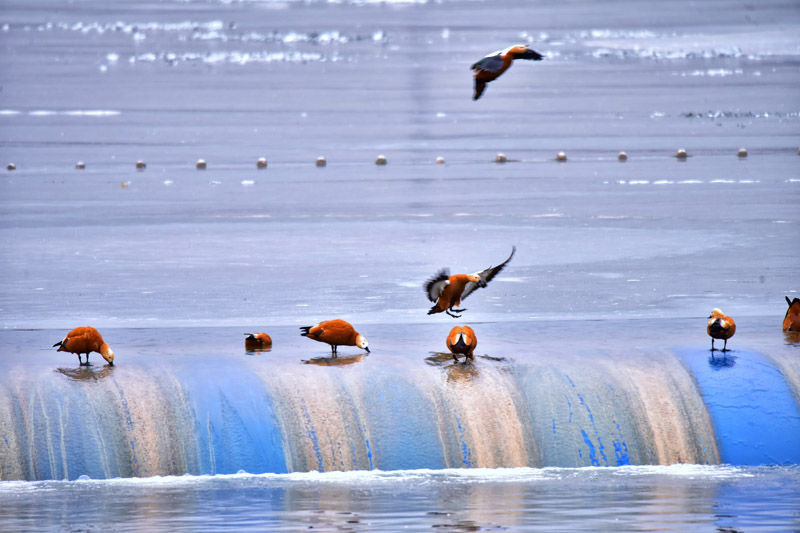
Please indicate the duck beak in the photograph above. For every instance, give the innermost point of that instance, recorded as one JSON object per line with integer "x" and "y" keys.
{"x": 367, "y": 349}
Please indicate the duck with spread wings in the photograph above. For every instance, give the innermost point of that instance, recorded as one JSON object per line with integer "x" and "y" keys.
{"x": 447, "y": 291}
{"x": 493, "y": 65}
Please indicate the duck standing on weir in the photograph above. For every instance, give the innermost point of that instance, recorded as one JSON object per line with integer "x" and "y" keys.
{"x": 85, "y": 340}
{"x": 493, "y": 65}
{"x": 336, "y": 333}
{"x": 721, "y": 327}
{"x": 462, "y": 341}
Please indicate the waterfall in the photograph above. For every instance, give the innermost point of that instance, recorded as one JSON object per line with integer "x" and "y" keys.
{"x": 270, "y": 413}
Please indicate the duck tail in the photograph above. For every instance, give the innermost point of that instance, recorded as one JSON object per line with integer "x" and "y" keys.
{"x": 305, "y": 330}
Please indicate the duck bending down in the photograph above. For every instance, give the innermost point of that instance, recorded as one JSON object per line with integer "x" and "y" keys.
{"x": 462, "y": 341}
{"x": 447, "y": 291}
{"x": 336, "y": 333}
{"x": 791, "y": 322}
{"x": 493, "y": 65}
{"x": 85, "y": 340}
{"x": 721, "y": 327}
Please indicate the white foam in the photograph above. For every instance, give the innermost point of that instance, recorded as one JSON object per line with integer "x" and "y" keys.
{"x": 403, "y": 477}
{"x": 75, "y": 113}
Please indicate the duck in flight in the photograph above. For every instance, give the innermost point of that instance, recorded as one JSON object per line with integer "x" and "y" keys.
{"x": 447, "y": 291}
{"x": 493, "y": 65}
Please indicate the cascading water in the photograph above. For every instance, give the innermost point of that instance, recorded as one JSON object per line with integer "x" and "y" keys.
{"x": 270, "y": 413}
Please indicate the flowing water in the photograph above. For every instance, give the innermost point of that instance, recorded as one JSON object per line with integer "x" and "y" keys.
{"x": 593, "y": 402}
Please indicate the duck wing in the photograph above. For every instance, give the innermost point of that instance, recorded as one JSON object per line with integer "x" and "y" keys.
{"x": 491, "y": 63}
{"x": 486, "y": 275}
{"x": 435, "y": 285}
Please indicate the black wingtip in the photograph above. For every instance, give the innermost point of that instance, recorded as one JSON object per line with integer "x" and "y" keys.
{"x": 59, "y": 342}
{"x": 305, "y": 330}
{"x": 529, "y": 54}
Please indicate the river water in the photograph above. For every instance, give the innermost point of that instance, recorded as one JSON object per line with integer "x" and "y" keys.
{"x": 593, "y": 366}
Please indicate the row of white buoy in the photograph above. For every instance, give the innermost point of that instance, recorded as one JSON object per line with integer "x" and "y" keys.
{"x": 261, "y": 163}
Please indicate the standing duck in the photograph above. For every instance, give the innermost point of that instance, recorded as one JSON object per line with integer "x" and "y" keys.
{"x": 336, "y": 333}
{"x": 720, "y": 326}
{"x": 447, "y": 291}
{"x": 462, "y": 340}
{"x": 85, "y": 340}
{"x": 791, "y": 322}
{"x": 493, "y": 65}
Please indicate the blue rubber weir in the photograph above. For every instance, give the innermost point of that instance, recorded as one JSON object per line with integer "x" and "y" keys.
{"x": 755, "y": 417}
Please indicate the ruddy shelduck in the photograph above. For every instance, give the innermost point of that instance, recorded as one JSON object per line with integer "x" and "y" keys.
{"x": 447, "y": 291}
{"x": 257, "y": 341}
{"x": 462, "y": 341}
{"x": 493, "y": 65}
{"x": 791, "y": 322}
{"x": 336, "y": 333}
{"x": 85, "y": 340}
{"x": 720, "y": 326}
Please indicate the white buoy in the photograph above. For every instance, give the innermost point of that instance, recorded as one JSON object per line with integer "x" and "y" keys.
{"x": 500, "y": 158}
{"x": 80, "y": 165}
{"x": 11, "y": 166}
{"x": 440, "y": 160}
{"x": 742, "y": 152}
{"x": 201, "y": 164}
{"x": 681, "y": 154}
{"x": 561, "y": 156}
{"x": 622, "y": 156}
{"x": 261, "y": 163}
{"x": 381, "y": 160}
{"x": 321, "y": 162}
{"x": 141, "y": 164}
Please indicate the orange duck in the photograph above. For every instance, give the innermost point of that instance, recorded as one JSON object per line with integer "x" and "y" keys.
{"x": 257, "y": 341}
{"x": 85, "y": 340}
{"x": 462, "y": 340}
{"x": 720, "y": 326}
{"x": 493, "y": 65}
{"x": 336, "y": 333}
{"x": 447, "y": 291}
{"x": 791, "y": 322}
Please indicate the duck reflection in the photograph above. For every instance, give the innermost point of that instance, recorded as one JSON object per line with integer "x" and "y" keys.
{"x": 253, "y": 351}
{"x": 718, "y": 363}
{"x": 792, "y": 337}
{"x": 335, "y": 361}
{"x": 87, "y": 373}
{"x": 455, "y": 371}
